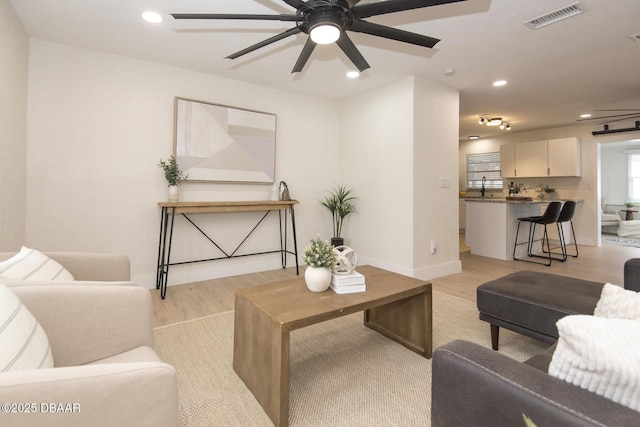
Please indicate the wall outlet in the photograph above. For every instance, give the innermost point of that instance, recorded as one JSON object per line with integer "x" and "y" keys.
{"x": 434, "y": 247}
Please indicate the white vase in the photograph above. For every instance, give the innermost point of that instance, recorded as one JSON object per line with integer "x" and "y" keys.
{"x": 173, "y": 194}
{"x": 317, "y": 279}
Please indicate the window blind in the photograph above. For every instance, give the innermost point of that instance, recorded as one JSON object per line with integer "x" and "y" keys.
{"x": 484, "y": 165}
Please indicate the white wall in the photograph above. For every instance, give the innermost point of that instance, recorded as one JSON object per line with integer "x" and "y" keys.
{"x": 435, "y": 158}
{"x": 390, "y": 138}
{"x": 97, "y": 126}
{"x": 14, "y": 51}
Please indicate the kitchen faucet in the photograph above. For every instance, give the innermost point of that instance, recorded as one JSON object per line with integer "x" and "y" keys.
{"x": 484, "y": 179}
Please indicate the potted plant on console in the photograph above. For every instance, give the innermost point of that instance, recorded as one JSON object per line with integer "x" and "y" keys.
{"x": 320, "y": 257}
{"x": 340, "y": 203}
{"x": 173, "y": 175}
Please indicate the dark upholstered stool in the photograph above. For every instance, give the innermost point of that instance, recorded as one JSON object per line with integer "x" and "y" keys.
{"x": 530, "y": 303}
{"x": 550, "y": 216}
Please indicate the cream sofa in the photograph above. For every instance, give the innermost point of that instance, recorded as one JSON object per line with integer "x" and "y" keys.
{"x": 85, "y": 266}
{"x": 106, "y": 372}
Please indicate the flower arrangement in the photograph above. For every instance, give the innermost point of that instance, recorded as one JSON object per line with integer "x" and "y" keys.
{"x": 544, "y": 191}
{"x": 340, "y": 204}
{"x": 172, "y": 171}
{"x": 320, "y": 254}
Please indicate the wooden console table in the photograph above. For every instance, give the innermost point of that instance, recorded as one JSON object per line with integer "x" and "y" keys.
{"x": 169, "y": 211}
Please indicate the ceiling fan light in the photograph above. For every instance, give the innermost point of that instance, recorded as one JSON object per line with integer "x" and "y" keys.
{"x": 325, "y": 33}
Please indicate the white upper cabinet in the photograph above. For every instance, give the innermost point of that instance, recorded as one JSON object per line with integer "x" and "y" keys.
{"x": 555, "y": 157}
{"x": 564, "y": 157}
{"x": 531, "y": 159}
{"x": 507, "y": 161}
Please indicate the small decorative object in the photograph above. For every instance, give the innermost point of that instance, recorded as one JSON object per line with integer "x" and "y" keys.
{"x": 347, "y": 260}
{"x": 284, "y": 191}
{"x": 275, "y": 193}
{"x": 629, "y": 204}
{"x": 546, "y": 192}
{"x": 515, "y": 189}
{"x": 173, "y": 175}
{"x": 320, "y": 258}
{"x": 340, "y": 204}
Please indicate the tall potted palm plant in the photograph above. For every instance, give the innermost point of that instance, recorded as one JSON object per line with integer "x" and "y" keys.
{"x": 340, "y": 203}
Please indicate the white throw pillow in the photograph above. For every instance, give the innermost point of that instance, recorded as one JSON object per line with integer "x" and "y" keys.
{"x": 618, "y": 303}
{"x": 30, "y": 264}
{"x": 600, "y": 355}
{"x": 23, "y": 342}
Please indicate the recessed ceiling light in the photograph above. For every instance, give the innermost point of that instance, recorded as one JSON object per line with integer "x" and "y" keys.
{"x": 474, "y": 137}
{"x": 353, "y": 74}
{"x": 584, "y": 116}
{"x": 499, "y": 83}
{"x": 153, "y": 17}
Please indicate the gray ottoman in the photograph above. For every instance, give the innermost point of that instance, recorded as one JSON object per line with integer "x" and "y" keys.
{"x": 530, "y": 303}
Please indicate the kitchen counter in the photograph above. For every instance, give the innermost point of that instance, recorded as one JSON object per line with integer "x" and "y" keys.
{"x": 503, "y": 200}
{"x": 491, "y": 223}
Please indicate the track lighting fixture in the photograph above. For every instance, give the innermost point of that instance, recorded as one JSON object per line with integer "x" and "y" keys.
{"x": 495, "y": 121}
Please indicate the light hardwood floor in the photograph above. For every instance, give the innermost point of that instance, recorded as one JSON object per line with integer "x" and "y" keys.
{"x": 191, "y": 301}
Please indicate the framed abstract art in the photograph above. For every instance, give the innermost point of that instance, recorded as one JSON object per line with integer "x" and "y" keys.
{"x": 221, "y": 143}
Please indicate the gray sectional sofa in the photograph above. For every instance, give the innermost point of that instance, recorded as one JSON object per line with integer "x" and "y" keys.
{"x": 474, "y": 385}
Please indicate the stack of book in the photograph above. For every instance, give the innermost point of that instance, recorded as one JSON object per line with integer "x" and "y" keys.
{"x": 348, "y": 283}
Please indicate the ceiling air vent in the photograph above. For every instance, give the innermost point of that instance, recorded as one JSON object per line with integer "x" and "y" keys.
{"x": 555, "y": 16}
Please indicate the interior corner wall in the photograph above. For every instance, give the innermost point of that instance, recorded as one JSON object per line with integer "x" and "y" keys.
{"x": 98, "y": 124}
{"x": 376, "y": 152}
{"x": 14, "y": 57}
{"x": 390, "y": 137}
{"x": 435, "y": 184}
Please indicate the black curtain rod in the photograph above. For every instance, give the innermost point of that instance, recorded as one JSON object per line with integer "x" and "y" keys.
{"x": 607, "y": 131}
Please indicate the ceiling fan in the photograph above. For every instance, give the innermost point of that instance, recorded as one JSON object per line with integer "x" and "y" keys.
{"x": 631, "y": 114}
{"x": 327, "y": 21}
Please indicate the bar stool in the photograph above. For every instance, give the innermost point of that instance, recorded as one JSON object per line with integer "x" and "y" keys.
{"x": 551, "y": 215}
{"x": 566, "y": 215}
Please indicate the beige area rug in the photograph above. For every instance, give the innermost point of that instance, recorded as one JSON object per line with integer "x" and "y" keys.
{"x": 342, "y": 373}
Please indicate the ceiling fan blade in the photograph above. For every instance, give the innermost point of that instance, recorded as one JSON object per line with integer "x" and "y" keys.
{"x": 624, "y": 116}
{"x": 352, "y": 52}
{"x": 390, "y": 6}
{"x": 298, "y": 4}
{"x": 264, "y": 43}
{"x": 304, "y": 56}
{"x": 281, "y": 17}
{"x": 393, "y": 33}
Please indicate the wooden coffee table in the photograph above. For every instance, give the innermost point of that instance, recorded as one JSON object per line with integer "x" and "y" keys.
{"x": 398, "y": 307}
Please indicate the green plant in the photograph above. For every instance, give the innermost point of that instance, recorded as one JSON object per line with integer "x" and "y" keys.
{"x": 172, "y": 171}
{"x": 547, "y": 189}
{"x": 340, "y": 204}
{"x": 629, "y": 204}
{"x": 320, "y": 254}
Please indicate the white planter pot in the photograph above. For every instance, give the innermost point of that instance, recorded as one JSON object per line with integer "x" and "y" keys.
{"x": 317, "y": 279}
{"x": 174, "y": 196}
